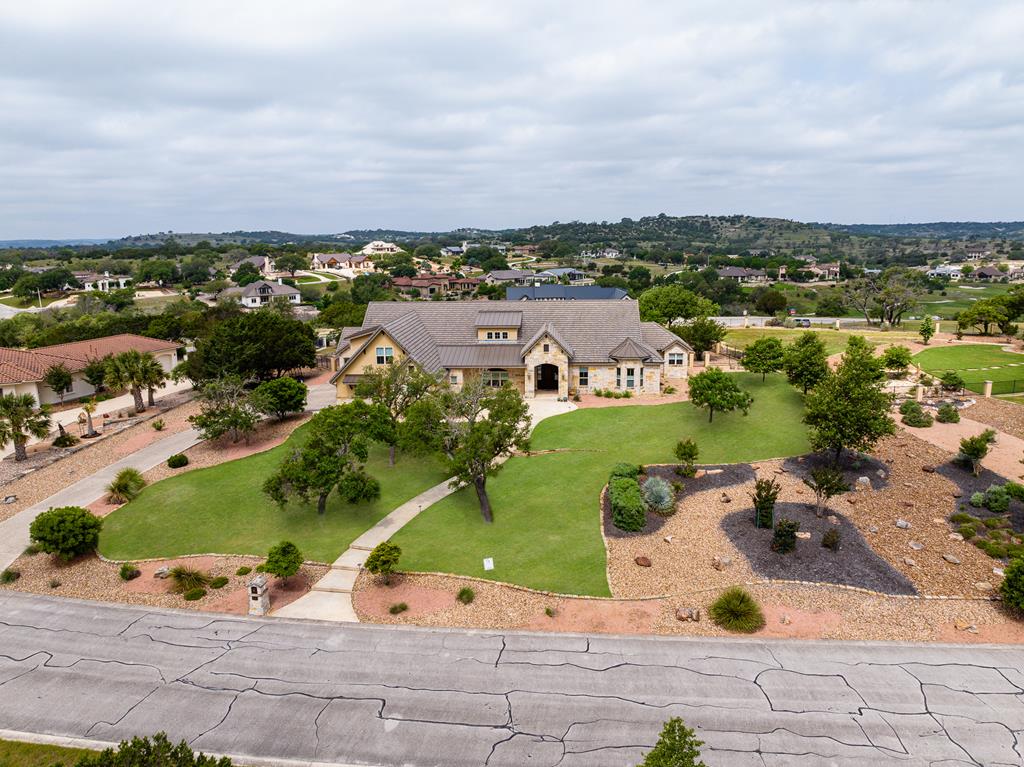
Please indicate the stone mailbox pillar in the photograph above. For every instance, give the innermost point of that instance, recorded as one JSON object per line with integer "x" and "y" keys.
{"x": 259, "y": 596}
{"x": 746, "y": 319}
{"x": 837, "y": 324}
{"x": 919, "y": 393}
{"x": 987, "y": 390}
{"x": 938, "y": 327}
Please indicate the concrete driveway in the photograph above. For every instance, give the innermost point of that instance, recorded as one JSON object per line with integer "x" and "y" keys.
{"x": 373, "y": 695}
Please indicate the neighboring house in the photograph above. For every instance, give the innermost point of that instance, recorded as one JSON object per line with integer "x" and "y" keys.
{"x": 515, "y": 277}
{"x": 946, "y": 272}
{"x": 524, "y": 250}
{"x": 807, "y": 259}
{"x": 380, "y": 248}
{"x": 498, "y": 246}
{"x": 102, "y": 282}
{"x": 260, "y": 293}
{"x": 601, "y": 253}
{"x": 565, "y": 293}
{"x": 22, "y": 370}
{"x": 824, "y": 271}
{"x": 741, "y": 274}
{"x": 263, "y": 264}
{"x": 555, "y": 347}
{"x": 452, "y": 250}
{"x": 988, "y": 273}
{"x": 355, "y": 262}
{"x": 427, "y": 285}
{"x": 974, "y": 252}
{"x": 572, "y": 276}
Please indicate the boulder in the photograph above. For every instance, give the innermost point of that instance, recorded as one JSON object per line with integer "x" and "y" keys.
{"x": 951, "y": 559}
{"x": 998, "y": 571}
{"x": 957, "y": 494}
{"x": 162, "y": 572}
{"x": 902, "y": 524}
{"x": 851, "y": 500}
{"x": 10, "y": 499}
{"x": 721, "y": 563}
{"x": 955, "y": 537}
{"x": 909, "y": 562}
{"x": 726, "y": 498}
{"x": 803, "y": 535}
{"x": 916, "y": 545}
{"x": 669, "y": 538}
{"x": 880, "y": 473}
{"x": 688, "y": 614}
{"x": 873, "y": 529}
{"x": 833, "y": 519}
{"x": 928, "y": 469}
{"x": 983, "y": 586}
{"x": 908, "y": 504}
{"x": 863, "y": 483}
{"x": 962, "y": 625}
{"x": 643, "y": 561}
{"x": 784, "y": 619}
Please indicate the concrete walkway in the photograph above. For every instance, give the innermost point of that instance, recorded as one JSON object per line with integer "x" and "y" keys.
{"x": 14, "y": 531}
{"x": 330, "y": 599}
{"x": 1004, "y": 457}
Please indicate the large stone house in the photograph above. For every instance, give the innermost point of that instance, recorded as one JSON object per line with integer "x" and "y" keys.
{"x": 553, "y": 347}
{"x": 261, "y": 293}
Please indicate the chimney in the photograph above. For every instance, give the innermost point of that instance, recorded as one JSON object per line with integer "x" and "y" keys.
{"x": 280, "y": 281}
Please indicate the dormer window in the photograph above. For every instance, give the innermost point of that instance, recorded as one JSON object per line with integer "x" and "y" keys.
{"x": 497, "y": 335}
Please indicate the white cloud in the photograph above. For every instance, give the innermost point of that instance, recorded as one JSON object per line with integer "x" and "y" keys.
{"x": 319, "y": 116}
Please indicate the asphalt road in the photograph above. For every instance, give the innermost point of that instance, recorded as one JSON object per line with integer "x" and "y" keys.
{"x": 380, "y": 696}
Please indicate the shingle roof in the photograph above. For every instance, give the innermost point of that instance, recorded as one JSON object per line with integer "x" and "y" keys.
{"x": 564, "y": 292}
{"x": 23, "y": 365}
{"x": 509, "y": 274}
{"x": 488, "y": 319}
{"x": 659, "y": 338}
{"x": 548, "y": 329}
{"x": 631, "y": 349}
{"x": 590, "y": 329}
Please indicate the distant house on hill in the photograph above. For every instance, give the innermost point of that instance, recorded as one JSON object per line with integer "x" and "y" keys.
{"x": 988, "y": 273}
{"x": 515, "y": 277}
{"x": 358, "y": 263}
{"x": 103, "y": 283}
{"x": 566, "y": 274}
{"x": 264, "y": 265}
{"x": 565, "y": 293}
{"x": 262, "y": 292}
{"x": 741, "y": 274}
{"x": 380, "y": 248}
{"x": 428, "y": 285}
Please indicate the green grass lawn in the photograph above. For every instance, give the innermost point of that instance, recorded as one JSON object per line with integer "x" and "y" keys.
{"x": 15, "y": 754}
{"x": 26, "y": 303}
{"x": 976, "y": 363}
{"x": 958, "y": 297}
{"x": 546, "y": 531}
{"x": 222, "y": 510}
{"x": 835, "y": 340}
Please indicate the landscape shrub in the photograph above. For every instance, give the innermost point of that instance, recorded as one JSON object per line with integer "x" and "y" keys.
{"x": 9, "y": 575}
{"x": 628, "y": 513}
{"x": 54, "y": 583}
{"x": 993, "y": 523}
{"x": 658, "y": 495}
{"x": 766, "y": 492}
{"x": 978, "y": 500}
{"x": 193, "y": 594}
{"x": 383, "y": 560}
{"x": 784, "y": 537}
{"x": 990, "y": 436}
{"x": 1015, "y": 490}
{"x": 947, "y": 414}
{"x": 283, "y": 560}
{"x": 280, "y": 396}
{"x": 916, "y": 416}
{"x": 972, "y": 451}
{"x": 951, "y": 381}
{"x": 677, "y": 746}
{"x": 830, "y": 540}
{"x": 997, "y": 500}
{"x": 687, "y": 453}
{"x": 186, "y": 579}
{"x": 31, "y": 550}
{"x": 960, "y": 518}
{"x": 66, "y": 440}
{"x": 630, "y": 470}
{"x": 243, "y": 570}
{"x": 466, "y": 595}
{"x": 219, "y": 582}
{"x": 67, "y": 531}
{"x": 549, "y": 611}
{"x": 909, "y": 405}
{"x": 177, "y": 460}
{"x": 129, "y": 571}
{"x": 158, "y": 424}
{"x": 968, "y": 531}
{"x": 669, "y": 390}
{"x": 398, "y": 607}
{"x": 736, "y": 610}
{"x": 994, "y": 549}
{"x": 144, "y": 752}
{"x": 127, "y": 485}
{"x": 1012, "y": 587}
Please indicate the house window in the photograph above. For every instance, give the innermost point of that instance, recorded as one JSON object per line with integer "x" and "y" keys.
{"x": 676, "y": 358}
{"x": 453, "y": 379}
{"x": 504, "y": 335}
{"x": 547, "y": 347}
{"x": 618, "y": 378}
{"x": 490, "y": 335}
{"x": 495, "y": 378}
{"x": 584, "y": 377}
{"x": 385, "y": 355}
{"x": 630, "y": 378}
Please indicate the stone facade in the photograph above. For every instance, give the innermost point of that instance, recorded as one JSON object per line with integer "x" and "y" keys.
{"x": 555, "y": 355}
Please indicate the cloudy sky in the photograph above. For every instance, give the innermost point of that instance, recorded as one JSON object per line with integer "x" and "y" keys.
{"x": 315, "y": 117}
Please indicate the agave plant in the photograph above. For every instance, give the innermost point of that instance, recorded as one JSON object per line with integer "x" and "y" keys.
{"x": 126, "y": 486}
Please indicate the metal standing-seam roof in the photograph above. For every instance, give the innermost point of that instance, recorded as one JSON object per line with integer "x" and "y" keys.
{"x": 488, "y": 319}
{"x": 631, "y": 349}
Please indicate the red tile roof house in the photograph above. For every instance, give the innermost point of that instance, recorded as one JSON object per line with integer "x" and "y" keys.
{"x": 22, "y": 370}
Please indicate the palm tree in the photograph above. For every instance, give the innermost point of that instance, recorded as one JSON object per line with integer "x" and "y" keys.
{"x": 127, "y": 370}
{"x": 153, "y": 376}
{"x": 20, "y": 420}
{"x": 89, "y": 407}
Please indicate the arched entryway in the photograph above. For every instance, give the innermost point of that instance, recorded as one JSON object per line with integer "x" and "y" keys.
{"x": 546, "y": 377}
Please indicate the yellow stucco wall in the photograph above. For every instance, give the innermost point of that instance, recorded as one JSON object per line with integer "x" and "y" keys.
{"x": 513, "y": 333}
{"x": 366, "y": 358}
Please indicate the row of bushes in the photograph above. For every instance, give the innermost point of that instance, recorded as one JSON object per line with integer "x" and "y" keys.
{"x": 630, "y": 500}
{"x": 612, "y": 394}
{"x": 915, "y": 415}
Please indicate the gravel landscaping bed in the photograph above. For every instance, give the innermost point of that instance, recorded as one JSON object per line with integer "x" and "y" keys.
{"x": 43, "y": 483}
{"x": 999, "y": 414}
{"x": 853, "y": 564}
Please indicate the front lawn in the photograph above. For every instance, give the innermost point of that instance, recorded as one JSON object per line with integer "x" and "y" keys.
{"x": 16, "y": 754}
{"x": 835, "y": 340}
{"x": 976, "y": 363}
{"x": 221, "y": 510}
{"x": 546, "y": 531}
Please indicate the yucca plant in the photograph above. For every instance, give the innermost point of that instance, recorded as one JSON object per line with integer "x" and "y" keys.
{"x": 126, "y": 486}
{"x": 736, "y": 610}
{"x": 188, "y": 579}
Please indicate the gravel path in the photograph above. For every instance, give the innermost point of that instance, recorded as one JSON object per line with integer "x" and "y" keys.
{"x": 999, "y": 414}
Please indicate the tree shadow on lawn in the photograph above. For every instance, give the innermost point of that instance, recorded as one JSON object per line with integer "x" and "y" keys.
{"x": 714, "y": 478}
{"x": 854, "y": 564}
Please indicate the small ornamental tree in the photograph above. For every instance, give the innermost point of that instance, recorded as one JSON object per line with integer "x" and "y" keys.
{"x": 687, "y": 453}
{"x": 283, "y": 560}
{"x": 19, "y": 420}
{"x": 806, "y": 361}
{"x": 701, "y": 333}
{"x": 678, "y": 746}
{"x": 927, "y": 329}
{"x": 383, "y": 560}
{"x": 825, "y": 482}
{"x": 716, "y": 390}
{"x": 896, "y": 360}
{"x": 144, "y": 752}
{"x": 66, "y": 532}
{"x": 59, "y": 379}
{"x": 226, "y": 407}
{"x": 766, "y": 355}
{"x": 395, "y": 387}
{"x": 280, "y": 396}
{"x": 766, "y": 493}
{"x": 95, "y": 372}
{"x": 1012, "y": 587}
{"x": 784, "y": 537}
{"x": 973, "y": 450}
{"x": 951, "y": 381}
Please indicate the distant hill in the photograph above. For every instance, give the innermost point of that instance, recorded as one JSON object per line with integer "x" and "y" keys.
{"x": 942, "y": 230}
{"x": 48, "y": 243}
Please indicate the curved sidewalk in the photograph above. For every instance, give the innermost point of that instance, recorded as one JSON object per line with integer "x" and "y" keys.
{"x": 1004, "y": 457}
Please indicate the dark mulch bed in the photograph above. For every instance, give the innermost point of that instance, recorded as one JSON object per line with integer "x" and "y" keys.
{"x": 714, "y": 478}
{"x": 968, "y": 484}
{"x": 852, "y": 466}
{"x": 854, "y": 564}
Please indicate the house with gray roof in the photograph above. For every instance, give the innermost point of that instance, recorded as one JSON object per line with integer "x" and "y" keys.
{"x": 566, "y": 293}
{"x": 555, "y": 348}
{"x": 262, "y": 292}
